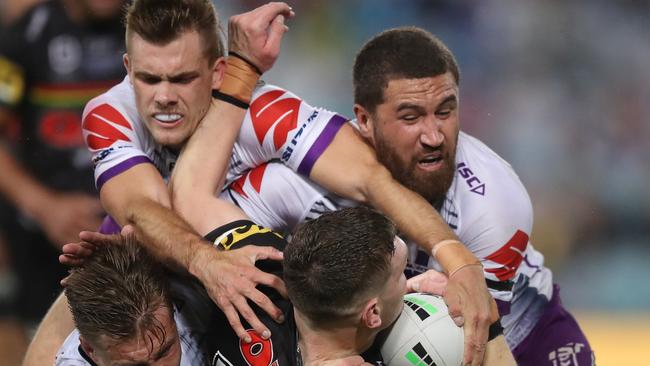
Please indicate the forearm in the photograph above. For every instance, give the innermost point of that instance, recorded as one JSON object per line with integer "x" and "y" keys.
{"x": 497, "y": 353}
{"x": 349, "y": 168}
{"x": 414, "y": 216}
{"x": 165, "y": 234}
{"x": 199, "y": 173}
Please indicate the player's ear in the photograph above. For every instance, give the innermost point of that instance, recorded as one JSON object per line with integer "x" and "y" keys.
{"x": 218, "y": 69}
{"x": 371, "y": 316}
{"x": 365, "y": 122}
{"x": 127, "y": 65}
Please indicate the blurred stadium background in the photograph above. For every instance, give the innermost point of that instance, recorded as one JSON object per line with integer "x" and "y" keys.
{"x": 560, "y": 89}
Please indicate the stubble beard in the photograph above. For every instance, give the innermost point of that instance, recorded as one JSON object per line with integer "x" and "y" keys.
{"x": 433, "y": 186}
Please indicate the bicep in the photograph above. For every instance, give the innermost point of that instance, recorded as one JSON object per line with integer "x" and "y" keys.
{"x": 347, "y": 165}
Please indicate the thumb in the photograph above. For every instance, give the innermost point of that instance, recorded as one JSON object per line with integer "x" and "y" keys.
{"x": 412, "y": 285}
{"x": 127, "y": 230}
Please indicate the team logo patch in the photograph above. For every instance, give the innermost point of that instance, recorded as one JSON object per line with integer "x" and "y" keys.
{"x": 509, "y": 256}
{"x": 253, "y": 176}
{"x": 567, "y": 355}
{"x": 226, "y": 240}
{"x": 103, "y": 125}
{"x": 259, "y": 352}
{"x": 270, "y": 111}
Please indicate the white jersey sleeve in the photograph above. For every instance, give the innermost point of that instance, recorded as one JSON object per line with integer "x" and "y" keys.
{"x": 497, "y": 214}
{"x": 491, "y": 212}
{"x": 275, "y": 196}
{"x": 281, "y": 126}
{"x": 69, "y": 354}
{"x": 116, "y": 136}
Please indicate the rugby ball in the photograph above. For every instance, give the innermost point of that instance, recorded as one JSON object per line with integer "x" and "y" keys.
{"x": 423, "y": 335}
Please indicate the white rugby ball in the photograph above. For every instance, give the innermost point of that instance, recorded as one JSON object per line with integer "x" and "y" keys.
{"x": 424, "y": 335}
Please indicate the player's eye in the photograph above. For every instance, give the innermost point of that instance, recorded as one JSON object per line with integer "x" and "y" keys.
{"x": 151, "y": 80}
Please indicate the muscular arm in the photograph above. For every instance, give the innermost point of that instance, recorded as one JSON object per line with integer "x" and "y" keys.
{"x": 497, "y": 353}
{"x": 350, "y": 168}
{"x": 146, "y": 205}
{"x": 199, "y": 172}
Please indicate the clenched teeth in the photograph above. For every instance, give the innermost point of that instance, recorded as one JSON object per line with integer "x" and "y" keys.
{"x": 167, "y": 117}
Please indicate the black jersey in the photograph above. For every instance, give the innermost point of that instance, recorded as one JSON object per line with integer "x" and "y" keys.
{"x": 50, "y": 67}
{"x": 282, "y": 348}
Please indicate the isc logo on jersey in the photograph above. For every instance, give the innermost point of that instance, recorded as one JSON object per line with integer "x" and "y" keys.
{"x": 424, "y": 334}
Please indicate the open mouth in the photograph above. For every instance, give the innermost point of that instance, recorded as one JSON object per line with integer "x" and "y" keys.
{"x": 167, "y": 118}
{"x": 432, "y": 161}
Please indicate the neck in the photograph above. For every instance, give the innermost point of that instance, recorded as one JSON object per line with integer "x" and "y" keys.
{"x": 320, "y": 345}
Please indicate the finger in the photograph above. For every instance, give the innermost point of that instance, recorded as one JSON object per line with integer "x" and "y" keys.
{"x": 70, "y": 261}
{"x": 413, "y": 285}
{"x": 266, "y": 304}
{"x": 270, "y": 280}
{"x": 95, "y": 237}
{"x": 233, "y": 319}
{"x": 247, "y": 313}
{"x": 276, "y": 31}
{"x": 453, "y": 302}
{"x": 265, "y": 14}
{"x": 81, "y": 249}
{"x": 127, "y": 230}
{"x": 468, "y": 355}
{"x": 261, "y": 253}
{"x": 434, "y": 286}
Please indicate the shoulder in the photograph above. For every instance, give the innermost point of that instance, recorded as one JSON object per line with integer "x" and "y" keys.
{"x": 69, "y": 353}
{"x": 114, "y": 110}
{"x": 482, "y": 172}
{"x": 487, "y": 188}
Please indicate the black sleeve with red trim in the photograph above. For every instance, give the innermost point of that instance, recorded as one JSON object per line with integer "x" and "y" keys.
{"x": 280, "y": 349}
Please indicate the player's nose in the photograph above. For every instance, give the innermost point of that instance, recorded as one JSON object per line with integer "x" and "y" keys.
{"x": 431, "y": 133}
{"x": 165, "y": 95}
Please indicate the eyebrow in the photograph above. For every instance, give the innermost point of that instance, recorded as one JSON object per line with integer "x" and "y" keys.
{"x": 407, "y": 105}
{"x": 171, "y": 78}
{"x": 450, "y": 99}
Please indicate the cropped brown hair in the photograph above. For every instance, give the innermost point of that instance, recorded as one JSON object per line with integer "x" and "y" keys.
{"x": 161, "y": 21}
{"x": 406, "y": 52}
{"x": 334, "y": 263}
{"x": 117, "y": 292}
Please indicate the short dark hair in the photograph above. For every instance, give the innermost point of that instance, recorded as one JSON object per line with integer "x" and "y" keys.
{"x": 162, "y": 21}
{"x": 406, "y": 52}
{"x": 117, "y": 292}
{"x": 334, "y": 262}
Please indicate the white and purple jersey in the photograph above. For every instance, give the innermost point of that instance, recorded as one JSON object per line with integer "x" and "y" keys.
{"x": 487, "y": 207}
{"x": 277, "y": 126}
